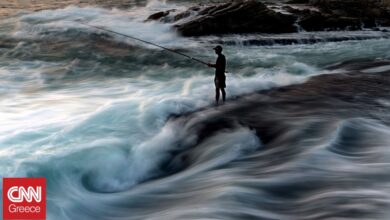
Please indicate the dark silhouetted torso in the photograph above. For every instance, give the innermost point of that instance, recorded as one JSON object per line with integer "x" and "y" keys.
{"x": 220, "y": 67}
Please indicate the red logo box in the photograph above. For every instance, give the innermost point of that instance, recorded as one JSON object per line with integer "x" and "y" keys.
{"x": 24, "y": 198}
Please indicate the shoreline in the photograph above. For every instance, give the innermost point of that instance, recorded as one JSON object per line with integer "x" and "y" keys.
{"x": 361, "y": 91}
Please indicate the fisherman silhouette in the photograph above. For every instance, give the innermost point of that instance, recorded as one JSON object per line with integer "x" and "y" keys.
{"x": 220, "y": 78}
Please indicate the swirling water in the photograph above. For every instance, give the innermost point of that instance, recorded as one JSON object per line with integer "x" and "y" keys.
{"x": 90, "y": 112}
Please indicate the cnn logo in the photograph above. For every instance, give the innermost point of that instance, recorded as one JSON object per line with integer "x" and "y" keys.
{"x": 24, "y": 198}
{"x": 23, "y": 194}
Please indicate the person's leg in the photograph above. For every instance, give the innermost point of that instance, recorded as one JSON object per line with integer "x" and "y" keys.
{"x": 217, "y": 95}
{"x": 223, "y": 94}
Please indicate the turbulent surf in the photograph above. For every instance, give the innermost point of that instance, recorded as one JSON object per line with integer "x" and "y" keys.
{"x": 125, "y": 130}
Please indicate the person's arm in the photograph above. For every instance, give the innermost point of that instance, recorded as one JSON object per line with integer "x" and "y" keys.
{"x": 220, "y": 64}
{"x": 212, "y": 65}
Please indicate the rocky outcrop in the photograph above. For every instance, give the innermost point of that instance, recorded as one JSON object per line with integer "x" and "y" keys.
{"x": 238, "y": 17}
{"x": 336, "y": 96}
{"x": 159, "y": 15}
{"x": 317, "y": 21}
{"x": 346, "y": 14}
{"x": 251, "y": 16}
{"x": 233, "y": 17}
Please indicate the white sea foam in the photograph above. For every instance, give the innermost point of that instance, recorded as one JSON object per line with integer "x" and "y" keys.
{"x": 56, "y": 22}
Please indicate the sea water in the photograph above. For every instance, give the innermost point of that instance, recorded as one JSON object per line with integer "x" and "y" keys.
{"x": 90, "y": 111}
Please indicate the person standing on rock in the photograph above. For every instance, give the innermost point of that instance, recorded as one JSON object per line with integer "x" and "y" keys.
{"x": 220, "y": 77}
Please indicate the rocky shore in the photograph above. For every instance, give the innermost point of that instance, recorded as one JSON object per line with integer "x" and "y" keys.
{"x": 251, "y": 16}
{"x": 361, "y": 91}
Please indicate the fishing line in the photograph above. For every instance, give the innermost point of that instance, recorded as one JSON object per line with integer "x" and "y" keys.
{"x": 147, "y": 42}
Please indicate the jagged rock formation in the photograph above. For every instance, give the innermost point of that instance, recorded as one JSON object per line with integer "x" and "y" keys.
{"x": 250, "y": 16}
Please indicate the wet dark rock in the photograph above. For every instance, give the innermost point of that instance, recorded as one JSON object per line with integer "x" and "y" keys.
{"x": 251, "y": 16}
{"x": 316, "y": 21}
{"x": 370, "y": 13}
{"x": 159, "y": 15}
{"x": 298, "y": 2}
{"x": 183, "y": 15}
{"x": 237, "y": 17}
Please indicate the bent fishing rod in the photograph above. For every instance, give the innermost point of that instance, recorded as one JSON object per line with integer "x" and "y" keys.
{"x": 146, "y": 42}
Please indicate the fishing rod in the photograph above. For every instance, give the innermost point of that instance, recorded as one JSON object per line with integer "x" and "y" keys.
{"x": 146, "y": 42}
